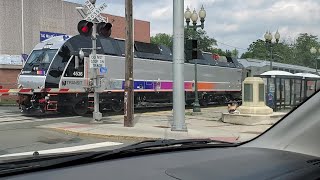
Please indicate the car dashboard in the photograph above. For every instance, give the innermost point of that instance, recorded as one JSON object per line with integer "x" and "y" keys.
{"x": 213, "y": 163}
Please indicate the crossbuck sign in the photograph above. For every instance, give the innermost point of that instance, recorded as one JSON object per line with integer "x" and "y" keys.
{"x": 95, "y": 12}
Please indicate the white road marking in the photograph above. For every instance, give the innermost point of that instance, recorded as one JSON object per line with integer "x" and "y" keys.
{"x": 4, "y": 121}
{"x": 66, "y": 149}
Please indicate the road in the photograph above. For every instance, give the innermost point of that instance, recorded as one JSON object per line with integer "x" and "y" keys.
{"x": 19, "y": 134}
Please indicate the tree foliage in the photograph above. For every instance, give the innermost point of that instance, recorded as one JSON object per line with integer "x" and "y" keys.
{"x": 235, "y": 53}
{"x": 205, "y": 43}
{"x": 297, "y": 52}
{"x": 162, "y": 39}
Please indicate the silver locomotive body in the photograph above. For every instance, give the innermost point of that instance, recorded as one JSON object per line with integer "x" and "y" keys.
{"x": 55, "y": 64}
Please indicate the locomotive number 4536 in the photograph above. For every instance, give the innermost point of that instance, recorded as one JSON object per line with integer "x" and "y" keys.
{"x": 78, "y": 73}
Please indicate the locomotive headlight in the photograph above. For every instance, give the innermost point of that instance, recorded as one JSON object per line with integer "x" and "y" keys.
{"x": 47, "y": 97}
{"x": 81, "y": 54}
{"x": 90, "y": 82}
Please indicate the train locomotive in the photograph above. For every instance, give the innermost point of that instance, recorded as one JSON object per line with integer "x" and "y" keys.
{"x": 60, "y": 79}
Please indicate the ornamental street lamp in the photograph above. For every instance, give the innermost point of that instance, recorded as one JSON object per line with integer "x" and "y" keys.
{"x": 269, "y": 44}
{"x": 194, "y": 17}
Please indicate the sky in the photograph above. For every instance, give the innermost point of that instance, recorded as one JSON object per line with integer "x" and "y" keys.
{"x": 233, "y": 23}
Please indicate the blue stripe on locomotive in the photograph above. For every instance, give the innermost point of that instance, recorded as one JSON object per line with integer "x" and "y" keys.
{"x": 141, "y": 85}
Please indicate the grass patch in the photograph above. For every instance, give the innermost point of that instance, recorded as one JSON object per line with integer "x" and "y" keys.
{"x": 6, "y": 102}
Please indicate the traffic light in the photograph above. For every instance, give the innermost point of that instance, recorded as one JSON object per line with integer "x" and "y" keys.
{"x": 85, "y": 28}
{"x": 104, "y": 29}
{"x": 191, "y": 49}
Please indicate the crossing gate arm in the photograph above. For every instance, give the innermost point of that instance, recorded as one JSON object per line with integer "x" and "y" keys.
{"x": 6, "y": 92}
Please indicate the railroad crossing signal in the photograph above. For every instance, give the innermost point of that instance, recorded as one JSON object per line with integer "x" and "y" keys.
{"x": 95, "y": 12}
{"x": 85, "y": 27}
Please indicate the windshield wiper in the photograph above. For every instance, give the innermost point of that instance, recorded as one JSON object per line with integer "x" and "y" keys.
{"x": 31, "y": 164}
{"x": 55, "y": 161}
{"x": 151, "y": 145}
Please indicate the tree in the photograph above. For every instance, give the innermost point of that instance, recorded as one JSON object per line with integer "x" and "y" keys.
{"x": 256, "y": 50}
{"x": 162, "y": 39}
{"x": 287, "y": 52}
{"x": 235, "y": 53}
{"x": 302, "y": 48}
{"x": 206, "y": 43}
{"x": 228, "y": 53}
{"x": 218, "y": 51}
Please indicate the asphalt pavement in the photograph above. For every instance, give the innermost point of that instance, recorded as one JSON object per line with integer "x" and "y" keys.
{"x": 20, "y": 134}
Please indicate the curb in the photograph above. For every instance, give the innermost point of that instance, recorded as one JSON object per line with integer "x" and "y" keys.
{"x": 115, "y": 137}
{"x": 102, "y": 136}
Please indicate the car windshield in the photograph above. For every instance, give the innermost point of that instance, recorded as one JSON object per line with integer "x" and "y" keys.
{"x": 220, "y": 70}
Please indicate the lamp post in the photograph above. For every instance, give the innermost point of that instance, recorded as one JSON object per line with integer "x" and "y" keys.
{"x": 314, "y": 51}
{"x": 268, "y": 38}
{"x": 194, "y": 17}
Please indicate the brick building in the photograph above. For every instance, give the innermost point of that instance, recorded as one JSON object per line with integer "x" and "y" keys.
{"x": 23, "y": 20}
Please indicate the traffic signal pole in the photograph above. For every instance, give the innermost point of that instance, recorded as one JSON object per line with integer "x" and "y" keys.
{"x": 178, "y": 67}
{"x": 128, "y": 91}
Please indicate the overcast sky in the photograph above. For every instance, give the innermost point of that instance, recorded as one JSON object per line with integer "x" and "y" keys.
{"x": 231, "y": 22}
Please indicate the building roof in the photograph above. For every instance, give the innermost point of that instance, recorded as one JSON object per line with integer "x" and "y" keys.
{"x": 307, "y": 75}
{"x": 261, "y": 63}
{"x": 277, "y": 73}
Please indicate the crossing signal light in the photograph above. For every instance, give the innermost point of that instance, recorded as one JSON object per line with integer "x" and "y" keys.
{"x": 191, "y": 49}
{"x": 85, "y": 28}
{"x": 104, "y": 29}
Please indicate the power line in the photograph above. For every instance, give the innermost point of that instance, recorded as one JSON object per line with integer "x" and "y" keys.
{"x": 231, "y": 45}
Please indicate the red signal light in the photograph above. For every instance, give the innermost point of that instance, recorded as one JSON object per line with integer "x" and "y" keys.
{"x": 85, "y": 28}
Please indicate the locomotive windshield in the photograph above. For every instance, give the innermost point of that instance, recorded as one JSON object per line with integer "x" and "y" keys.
{"x": 39, "y": 61}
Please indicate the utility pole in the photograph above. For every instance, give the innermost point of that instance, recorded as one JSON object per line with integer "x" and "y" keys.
{"x": 178, "y": 67}
{"x": 128, "y": 91}
{"x": 22, "y": 27}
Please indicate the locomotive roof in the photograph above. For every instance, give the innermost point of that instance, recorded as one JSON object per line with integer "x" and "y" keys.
{"x": 116, "y": 47}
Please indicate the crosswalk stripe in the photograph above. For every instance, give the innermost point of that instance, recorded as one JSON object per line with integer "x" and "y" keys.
{"x": 21, "y": 118}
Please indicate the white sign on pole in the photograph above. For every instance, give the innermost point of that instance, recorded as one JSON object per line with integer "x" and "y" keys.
{"x": 95, "y": 12}
{"x": 97, "y": 61}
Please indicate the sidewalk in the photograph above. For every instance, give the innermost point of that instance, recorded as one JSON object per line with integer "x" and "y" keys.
{"x": 157, "y": 125}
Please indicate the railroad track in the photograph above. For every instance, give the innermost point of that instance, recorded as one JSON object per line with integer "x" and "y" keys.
{"x": 16, "y": 116}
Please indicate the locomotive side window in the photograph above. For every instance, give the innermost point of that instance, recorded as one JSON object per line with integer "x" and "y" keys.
{"x": 147, "y": 47}
{"x": 121, "y": 45}
{"x": 71, "y": 71}
{"x": 108, "y": 47}
{"x": 60, "y": 61}
{"x": 57, "y": 67}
